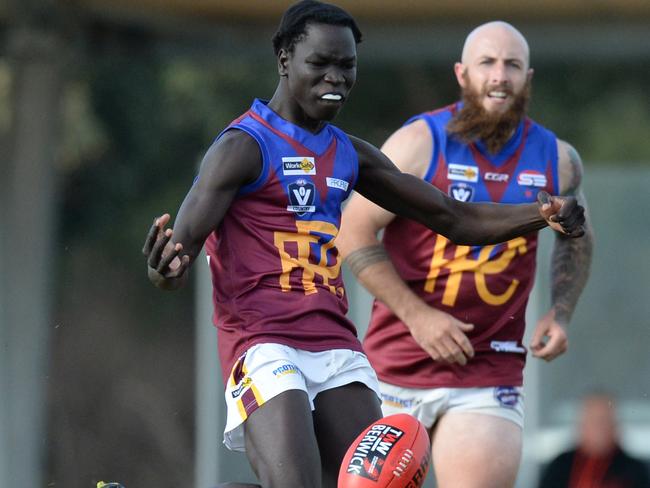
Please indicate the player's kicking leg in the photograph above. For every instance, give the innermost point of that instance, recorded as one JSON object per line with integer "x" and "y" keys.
{"x": 476, "y": 450}
{"x": 339, "y": 417}
{"x": 281, "y": 443}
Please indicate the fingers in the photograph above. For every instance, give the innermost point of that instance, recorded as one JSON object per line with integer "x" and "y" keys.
{"x": 544, "y": 198}
{"x": 157, "y": 249}
{"x": 166, "y": 260}
{"x": 554, "y": 347}
{"x": 158, "y": 225}
{"x": 551, "y": 350}
{"x": 564, "y": 211}
{"x": 455, "y": 347}
{"x": 538, "y": 339}
{"x": 151, "y": 238}
{"x": 463, "y": 341}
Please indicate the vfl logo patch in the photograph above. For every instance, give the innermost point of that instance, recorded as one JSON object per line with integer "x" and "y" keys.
{"x": 531, "y": 178}
{"x": 242, "y": 387}
{"x": 300, "y": 165}
{"x": 500, "y": 177}
{"x": 371, "y": 452}
{"x": 301, "y": 197}
{"x": 462, "y": 172}
{"x": 336, "y": 183}
{"x": 285, "y": 369}
{"x": 461, "y": 191}
{"x": 507, "y": 396}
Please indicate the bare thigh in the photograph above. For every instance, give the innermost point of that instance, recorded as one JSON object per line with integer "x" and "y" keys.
{"x": 473, "y": 450}
{"x": 281, "y": 443}
{"x": 340, "y": 416}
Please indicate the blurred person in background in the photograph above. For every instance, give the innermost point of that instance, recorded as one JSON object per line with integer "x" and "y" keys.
{"x": 267, "y": 203}
{"x": 597, "y": 461}
{"x": 447, "y": 325}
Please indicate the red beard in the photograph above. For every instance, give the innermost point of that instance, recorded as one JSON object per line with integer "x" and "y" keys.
{"x": 473, "y": 123}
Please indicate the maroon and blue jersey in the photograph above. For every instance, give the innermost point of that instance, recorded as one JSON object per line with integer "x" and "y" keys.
{"x": 275, "y": 271}
{"x": 487, "y": 286}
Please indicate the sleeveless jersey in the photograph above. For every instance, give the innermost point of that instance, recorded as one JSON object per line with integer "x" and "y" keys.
{"x": 275, "y": 271}
{"x": 486, "y": 286}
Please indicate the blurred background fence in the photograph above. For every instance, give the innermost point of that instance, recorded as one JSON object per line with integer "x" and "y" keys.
{"x": 106, "y": 107}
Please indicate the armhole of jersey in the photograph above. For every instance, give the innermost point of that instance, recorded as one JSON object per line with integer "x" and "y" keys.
{"x": 261, "y": 179}
{"x": 555, "y": 164}
{"x": 346, "y": 139}
{"x": 435, "y": 141}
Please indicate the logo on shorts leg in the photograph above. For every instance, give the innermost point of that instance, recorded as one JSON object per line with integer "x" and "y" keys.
{"x": 397, "y": 402}
{"x": 285, "y": 369}
{"x": 507, "y": 396}
{"x": 242, "y": 386}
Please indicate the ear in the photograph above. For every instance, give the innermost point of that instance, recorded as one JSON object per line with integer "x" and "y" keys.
{"x": 529, "y": 74}
{"x": 283, "y": 61}
{"x": 459, "y": 70}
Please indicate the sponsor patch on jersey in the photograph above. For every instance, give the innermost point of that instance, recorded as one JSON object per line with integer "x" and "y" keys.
{"x": 301, "y": 197}
{"x": 507, "y": 346}
{"x": 371, "y": 452}
{"x": 285, "y": 369}
{"x": 242, "y": 386}
{"x": 531, "y": 178}
{"x": 507, "y": 396}
{"x": 498, "y": 177}
{"x": 336, "y": 183}
{"x": 461, "y": 192}
{"x": 462, "y": 172}
{"x": 298, "y": 165}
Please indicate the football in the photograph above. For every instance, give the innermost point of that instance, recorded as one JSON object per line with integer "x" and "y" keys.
{"x": 393, "y": 452}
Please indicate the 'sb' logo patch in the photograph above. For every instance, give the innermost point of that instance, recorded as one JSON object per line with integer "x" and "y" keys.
{"x": 298, "y": 165}
{"x": 301, "y": 197}
{"x": 531, "y": 178}
{"x": 461, "y": 192}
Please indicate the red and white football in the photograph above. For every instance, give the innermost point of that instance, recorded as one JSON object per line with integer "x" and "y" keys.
{"x": 393, "y": 452}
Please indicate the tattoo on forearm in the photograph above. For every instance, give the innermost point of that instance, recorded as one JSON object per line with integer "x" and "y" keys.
{"x": 576, "y": 171}
{"x": 362, "y": 258}
{"x": 571, "y": 257}
{"x": 569, "y": 273}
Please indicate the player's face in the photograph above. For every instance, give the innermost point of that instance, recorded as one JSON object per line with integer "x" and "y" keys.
{"x": 321, "y": 71}
{"x": 496, "y": 70}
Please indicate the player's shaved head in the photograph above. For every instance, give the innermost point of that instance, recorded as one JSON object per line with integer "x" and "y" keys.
{"x": 495, "y": 35}
{"x": 494, "y": 76}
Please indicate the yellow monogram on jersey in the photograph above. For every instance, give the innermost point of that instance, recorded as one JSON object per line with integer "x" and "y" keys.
{"x": 480, "y": 267}
{"x": 309, "y": 234}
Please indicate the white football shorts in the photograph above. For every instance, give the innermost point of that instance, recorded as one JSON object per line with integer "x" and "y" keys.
{"x": 266, "y": 370}
{"x": 427, "y": 405}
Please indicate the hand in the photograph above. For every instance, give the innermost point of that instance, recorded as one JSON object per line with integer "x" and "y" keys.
{"x": 562, "y": 214}
{"x": 549, "y": 339}
{"x": 162, "y": 254}
{"x": 441, "y": 335}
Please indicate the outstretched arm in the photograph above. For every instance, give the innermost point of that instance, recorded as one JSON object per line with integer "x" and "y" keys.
{"x": 231, "y": 162}
{"x": 440, "y": 334}
{"x": 570, "y": 264}
{"x": 463, "y": 223}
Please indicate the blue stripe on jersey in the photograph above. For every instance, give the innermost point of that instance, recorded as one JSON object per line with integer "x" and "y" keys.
{"x": 536, "y": 163}
{"x": 320, "y": 190}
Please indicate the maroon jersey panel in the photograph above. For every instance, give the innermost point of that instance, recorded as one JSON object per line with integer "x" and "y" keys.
{"x": 486, "y": 286}
{"x": 275, "y": 271}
